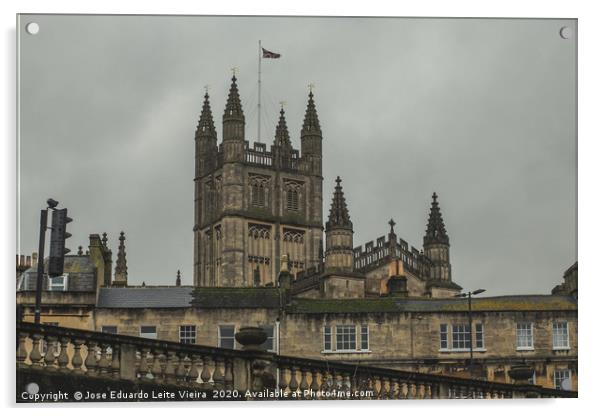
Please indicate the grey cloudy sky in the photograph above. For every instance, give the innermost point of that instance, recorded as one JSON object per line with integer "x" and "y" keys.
{"x": 482, "y": 111}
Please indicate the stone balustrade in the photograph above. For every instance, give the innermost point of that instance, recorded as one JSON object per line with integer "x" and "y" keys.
{"x": 72, "y": 352}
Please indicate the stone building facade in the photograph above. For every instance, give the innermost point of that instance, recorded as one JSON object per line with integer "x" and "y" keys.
{"x": 264, "y": 257}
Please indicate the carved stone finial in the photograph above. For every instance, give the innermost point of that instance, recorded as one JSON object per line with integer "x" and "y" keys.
{"x": 178, "y": 279}
{"x": 392, "y": 224}
{"x": 80, "y": 251}
{"x": 104, "y": 239}
{"x": 143, "y": 283}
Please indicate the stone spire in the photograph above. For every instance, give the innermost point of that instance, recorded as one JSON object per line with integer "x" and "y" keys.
{"x": 233, "y": 106}
{"x": 339, "y": 215}
{"x": 121, "y": 268}
{"x": 282, "y": 137}
{"x": 311, "y": 124}
{"x": 178, "y": 279}
{"x": 435, "y": 230}
{"x": 206, "y": 127}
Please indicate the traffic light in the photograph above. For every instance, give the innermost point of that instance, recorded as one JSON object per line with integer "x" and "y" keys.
{"x": 58, "y": 235}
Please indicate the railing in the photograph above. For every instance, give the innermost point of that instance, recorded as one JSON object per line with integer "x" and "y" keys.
{"x": 101, "y": 355}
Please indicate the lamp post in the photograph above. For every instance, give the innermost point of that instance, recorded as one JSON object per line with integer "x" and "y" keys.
{"x": 469, "y": 295}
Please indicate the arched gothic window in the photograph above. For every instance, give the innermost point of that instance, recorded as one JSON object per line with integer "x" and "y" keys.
{"x": 259, "y": 190}
{"x": 292, "y": 193}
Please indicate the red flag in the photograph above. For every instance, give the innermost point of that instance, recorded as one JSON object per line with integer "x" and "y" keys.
{"x": 268, "y": 54}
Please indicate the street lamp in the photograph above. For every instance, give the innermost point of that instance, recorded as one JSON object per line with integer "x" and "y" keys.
{"x": 469, "y": 295}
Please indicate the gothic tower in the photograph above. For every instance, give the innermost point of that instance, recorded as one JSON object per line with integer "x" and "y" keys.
{"x": 254, "y": 204}
{"x": 436, "y": 244}
{"x": 339, "y": 233}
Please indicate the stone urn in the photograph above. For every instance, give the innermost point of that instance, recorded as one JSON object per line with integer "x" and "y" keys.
{"x": 521, "y": 373}
{"x": 251, "y": 338}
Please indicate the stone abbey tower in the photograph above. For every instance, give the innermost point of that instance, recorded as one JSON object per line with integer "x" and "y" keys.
{"x": 254, "y": 204}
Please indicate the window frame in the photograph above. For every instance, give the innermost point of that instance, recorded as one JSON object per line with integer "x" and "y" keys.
{"x": 465, "y": 340}
{"x": 476, "y": 336}
{"x": 184, "y": 334}
{"x": 443, "y": 337}
{"x": 272, "y": 337}
{"x": 148, "y": 326}
{"x": 220, "y": 338}
{"x": 565, "y": 347}
{"x": 53, "y": 287}
{"x": 104, "y": 328}
{"x": 531, "y": 331}
{"x": 348, "y": 335}
{"x": 359, "y": 339}
{"x": 558, "y": 386}
{"x": 327, "y": 334}
{"x": 364, "y": 330}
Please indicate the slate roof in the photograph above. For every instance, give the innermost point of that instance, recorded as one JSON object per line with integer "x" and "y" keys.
{"x": 396, "y": 305}
{"x": 145, "y": 297}
{"x": 188, "y": 296}
{"x": 81, "y": 270}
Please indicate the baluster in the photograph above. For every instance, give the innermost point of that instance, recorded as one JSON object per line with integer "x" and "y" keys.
{"x": 384, "y": 391}
{"x": 193, "y": 375}
{"x": 180, "y": 368}
{"x": 303, "y": 386}
{"x": 206, "y": 373}
{"x": 377, "y": 386}
{"x": 170, "y": 369}
{"x": 403, "y": 391}
{"x": 347, "y": 385}
{"x": 103, "y": 363}
{"x": 77, "y": 359}
{"x": 412, "y": 390}
{"x": 63, "y": 358}
{"x": 22, "y": 350}
{"x": 155, "y": 367}
{"x": 314, "y": 386}
{"x": 163, "y": 364}
{"x": 420, "y": 391}
{"x": 428, "y": 391}
{"x": 292, "y": 385}
{"x": 324, "y": 381}
{"x": 394, "y": 389}
{"x": 282, "y": 382}
{"x": 35, "y": 356}
{"x": 115, "y": 365}
{"x": 49, "y": 357}
{"x": 143, "y": 369}
{"x": 218, "y": 375}
{"x": 91, "y": 361}
{"x": 228, "y": 376}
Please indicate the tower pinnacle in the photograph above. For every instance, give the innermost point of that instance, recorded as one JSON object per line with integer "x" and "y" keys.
{"x": 339, "y": 214}
{"x": 121, "y": 268}
{"x": 282, "y": 137}
{"x": 435, "y": 230}
{"x": 233, "y": 105}
{"x": 206, "y": 127}
{"x": 311, "y": 124}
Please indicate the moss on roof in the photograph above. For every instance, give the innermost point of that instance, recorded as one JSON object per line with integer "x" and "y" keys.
{"x": 236, "y": 297}
{"x": 391, "y": 304}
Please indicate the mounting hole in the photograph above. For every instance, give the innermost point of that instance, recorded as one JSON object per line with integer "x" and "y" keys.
{"x": 566, "y": 32}
{"x": 32, "y": 28}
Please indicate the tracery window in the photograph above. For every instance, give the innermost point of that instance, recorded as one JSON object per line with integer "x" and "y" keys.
{"x": 259, "y": 189}
{"x": 292, "y": 193}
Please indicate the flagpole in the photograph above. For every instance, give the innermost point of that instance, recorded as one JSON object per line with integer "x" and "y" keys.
{"x": 259, "y": 95}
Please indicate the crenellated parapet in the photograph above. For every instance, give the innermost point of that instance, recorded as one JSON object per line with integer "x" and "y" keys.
{"x": 373, "y": 255}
